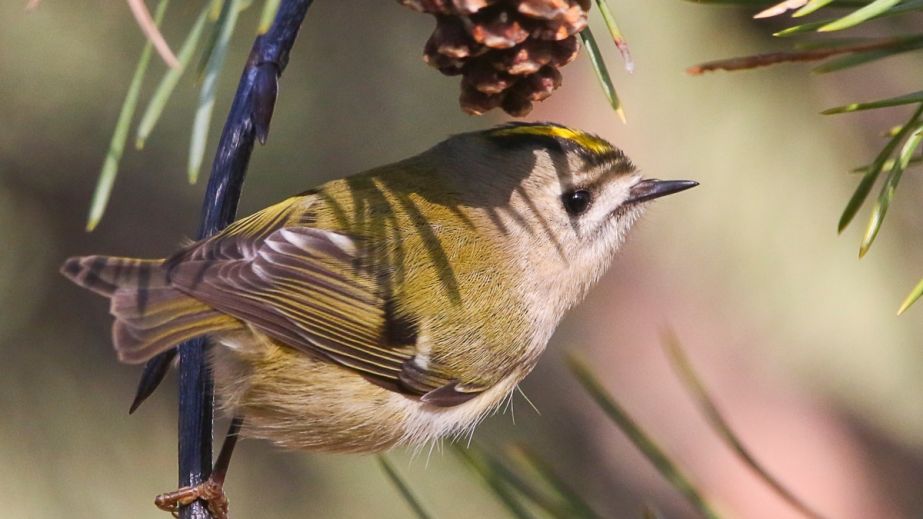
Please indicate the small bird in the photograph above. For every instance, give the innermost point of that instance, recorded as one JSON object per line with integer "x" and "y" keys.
{"x": 394, "y": 307}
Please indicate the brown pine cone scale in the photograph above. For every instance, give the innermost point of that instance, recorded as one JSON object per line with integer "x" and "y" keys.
{"x": 507, "y": 51}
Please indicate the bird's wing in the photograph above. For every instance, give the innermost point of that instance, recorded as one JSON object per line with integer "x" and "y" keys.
{"x": 301, "y": 285}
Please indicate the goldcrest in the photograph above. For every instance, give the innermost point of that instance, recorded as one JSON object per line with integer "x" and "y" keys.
{"x": 394, "y": 307}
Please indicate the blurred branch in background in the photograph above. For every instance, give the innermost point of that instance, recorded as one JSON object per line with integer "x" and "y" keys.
{"x": 898, "y": 153}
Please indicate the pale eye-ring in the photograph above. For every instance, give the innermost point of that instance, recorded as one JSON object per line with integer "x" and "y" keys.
{"x": 576, "y": 202}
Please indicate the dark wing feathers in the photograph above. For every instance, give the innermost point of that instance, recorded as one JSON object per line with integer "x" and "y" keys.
{"x": 299, "y": 285}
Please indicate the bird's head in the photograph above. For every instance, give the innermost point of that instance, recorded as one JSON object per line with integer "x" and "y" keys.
{"x": 562, "y": 199}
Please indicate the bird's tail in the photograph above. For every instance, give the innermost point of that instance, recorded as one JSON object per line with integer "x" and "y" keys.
{"x": 150, "y": 315}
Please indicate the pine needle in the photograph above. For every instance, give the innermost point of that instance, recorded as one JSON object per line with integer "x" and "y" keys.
{"x": 683, "y": 367}
{"x": 403, "y": 488}
{"x": 911, "y": 298}
{"x": 168, "y": 83}
{"x": 577, "y": 507}
{"x": 640, "y": 439}
{"x": 871, "y": 176}
{"x": 494, "y": 481}
{"x": 617, "y": 37}
{"x": 152, "y": 32}
{"x": 110, "y": 167}
{"x": 202, "y": 122}
{"x": 602, "y": 73}
{"x": 890, "y": 188}
{"x": 268, "y": 15}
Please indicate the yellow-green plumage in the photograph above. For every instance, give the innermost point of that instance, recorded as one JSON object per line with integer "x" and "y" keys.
{"x": 392, "y": 307}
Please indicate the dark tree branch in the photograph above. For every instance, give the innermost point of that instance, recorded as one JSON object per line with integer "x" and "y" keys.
{"x": 247, "y": 121}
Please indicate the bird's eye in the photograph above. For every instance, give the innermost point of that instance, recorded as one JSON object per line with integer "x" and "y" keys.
{"x": 576, "y": 202}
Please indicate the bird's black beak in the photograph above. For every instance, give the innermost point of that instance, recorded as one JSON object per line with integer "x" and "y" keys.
{"x": 652, "y": 188}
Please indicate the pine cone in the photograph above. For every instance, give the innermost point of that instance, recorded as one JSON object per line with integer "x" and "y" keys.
{"x": 507, "y": 51}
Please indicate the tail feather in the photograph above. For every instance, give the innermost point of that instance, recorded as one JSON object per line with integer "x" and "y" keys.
{"x": 150, "y": 316}
{"x": 134, "y": 344}
{"x": 153, "y": 306}
{"x": 105, "y": 274}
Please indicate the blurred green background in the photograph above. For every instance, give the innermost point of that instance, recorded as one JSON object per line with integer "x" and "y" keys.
{"x": 796, "y": 339}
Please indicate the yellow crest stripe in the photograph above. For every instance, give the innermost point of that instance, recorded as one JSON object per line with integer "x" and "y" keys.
{"x": 584, "y": 140}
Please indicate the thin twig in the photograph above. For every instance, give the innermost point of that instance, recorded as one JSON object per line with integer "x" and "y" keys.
{"x": 772, "y": 58}
{"x": 248, "y": 120}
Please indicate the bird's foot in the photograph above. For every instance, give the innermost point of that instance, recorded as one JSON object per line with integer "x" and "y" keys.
{"x": 212, "y": 492}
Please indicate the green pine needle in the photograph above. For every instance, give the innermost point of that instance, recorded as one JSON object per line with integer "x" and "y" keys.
{"x": 810, "y": 7}
{"x": 602, "y": 73}
{"x": 403, "y": 488}
{"x": 576, "y": 506}
{"x": 215, "y": 9}
{"x": 889, "y": 188}
{"x": 861, "y": 58}
{"x": 268, "y": 15}
{"x": 910, "y": 134}
{"x": 640, "y": 439}
{"x": 117, "y": 145}
{"x": 762, "y": 3}
{"x": 617, "y": 37}
{"x": 905, "y": 7}
{"x": 202, "y": 122}
{"x": 694, "y": 384}
{"x": 513, "y": 480}
{"x": 869, "y": 178}
{"x": 911, "y": 298}
{"x": 915, "y": 161}
{"x": 915, "y": 97}
{"x": 860, "y": 15}
{"x": 169, "y": 81}
{"x": 494, "y": 480}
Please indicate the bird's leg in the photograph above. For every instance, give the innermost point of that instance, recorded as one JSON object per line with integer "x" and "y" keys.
{"x": 209, "y": 491}
{"x": 212, "y": 490}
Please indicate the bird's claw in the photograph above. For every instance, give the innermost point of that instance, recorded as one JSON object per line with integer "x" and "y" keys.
{"x": 210, "y": 491}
